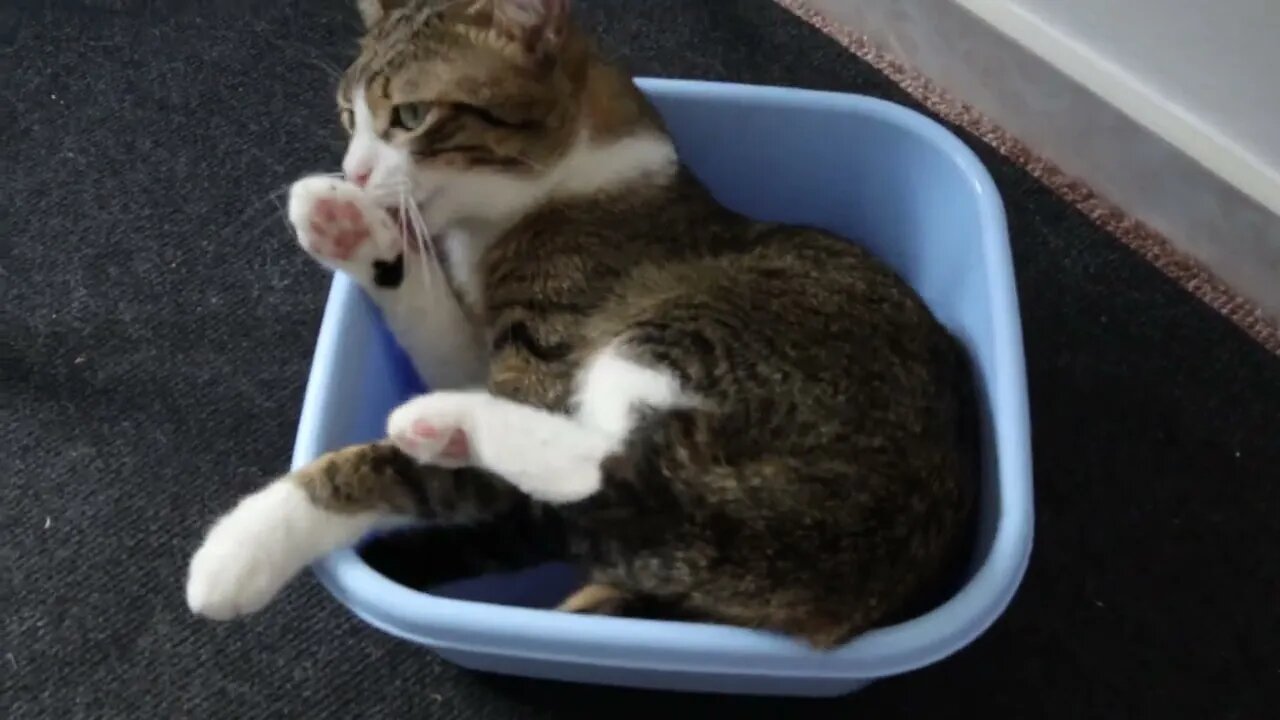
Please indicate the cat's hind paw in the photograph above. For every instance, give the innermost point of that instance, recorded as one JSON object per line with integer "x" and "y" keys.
{"x": 262, "y": 544}
{"x": 245, "y": 559}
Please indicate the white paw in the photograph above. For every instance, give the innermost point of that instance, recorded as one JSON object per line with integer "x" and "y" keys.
{"x": 337, "y": 224}
{"x": 436, "y": 428}
{"x": 254, "y": 550}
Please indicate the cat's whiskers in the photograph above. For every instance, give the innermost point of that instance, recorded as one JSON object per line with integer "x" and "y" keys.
{"x": 307, "y": 55}
{"x": 430, "y": 258}
{"x": 404, "y": 229}
{"x": 388, "y": 194}
{"x": 530, "y": 163}
{"x": 405, "y": 203}
{"x": 252, "y": 211}
{"x": 259, "y": 228}
{"x": 273, "y": 196}
{"x": 424, "y": 233}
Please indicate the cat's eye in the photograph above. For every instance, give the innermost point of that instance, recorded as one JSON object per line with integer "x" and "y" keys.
{"x": 408, "y": 116}
{"x": 491, "y": 118}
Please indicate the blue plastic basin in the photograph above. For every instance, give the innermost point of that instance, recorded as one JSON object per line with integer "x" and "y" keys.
{"x": 864, "y": 168}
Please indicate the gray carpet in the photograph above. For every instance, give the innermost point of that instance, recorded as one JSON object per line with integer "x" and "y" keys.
{"x": 157, "y": 324}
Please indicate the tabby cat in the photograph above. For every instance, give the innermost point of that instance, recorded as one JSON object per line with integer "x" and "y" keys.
{"x": 747, "y": 423}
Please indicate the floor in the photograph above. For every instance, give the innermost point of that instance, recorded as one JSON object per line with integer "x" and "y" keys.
{"x": 157, "y": 323}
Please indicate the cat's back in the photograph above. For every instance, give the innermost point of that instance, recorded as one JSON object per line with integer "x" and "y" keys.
{"x": 677, "y": 239}
{"x": 782, "y": 304}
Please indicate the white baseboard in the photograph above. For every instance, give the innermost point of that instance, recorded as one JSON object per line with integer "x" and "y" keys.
{"x": 1118, "y": 86}
{"x": 1095, "y": 121}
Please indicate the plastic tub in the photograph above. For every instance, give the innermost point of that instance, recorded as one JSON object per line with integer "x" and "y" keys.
{"x": 864, "y": 168}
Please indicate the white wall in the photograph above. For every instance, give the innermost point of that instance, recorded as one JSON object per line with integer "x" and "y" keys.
{"x": 1170, "y": 109}
{"x": 1217, "y": 60}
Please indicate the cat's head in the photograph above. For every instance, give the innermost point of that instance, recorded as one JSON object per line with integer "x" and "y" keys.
{"x": 471, "y": 108}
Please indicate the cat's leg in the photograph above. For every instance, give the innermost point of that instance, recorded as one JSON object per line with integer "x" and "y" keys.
{"x": 339, "y": 225}
{"x": 251, "y": 552}
{"x": 549, "y": 457}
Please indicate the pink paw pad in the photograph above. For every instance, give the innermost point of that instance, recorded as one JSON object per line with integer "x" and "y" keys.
{"x": 456, "y": 448}
{"x": 338, "y": 228}
{"x": 425, "y": 430}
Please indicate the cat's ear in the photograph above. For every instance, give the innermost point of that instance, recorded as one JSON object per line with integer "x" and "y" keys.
{"x": 538, "y": 25}
{"x": 371, "y": 11}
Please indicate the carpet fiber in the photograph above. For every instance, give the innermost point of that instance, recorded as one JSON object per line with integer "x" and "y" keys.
{"x": 157, "y": 323}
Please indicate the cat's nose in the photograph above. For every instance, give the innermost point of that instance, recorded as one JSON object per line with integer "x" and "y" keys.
{"x": 360, "y": 178}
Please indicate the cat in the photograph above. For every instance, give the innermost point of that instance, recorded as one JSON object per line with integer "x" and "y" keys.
{"x": 747, "y": 423}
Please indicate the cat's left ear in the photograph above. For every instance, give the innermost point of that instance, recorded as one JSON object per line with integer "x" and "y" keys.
{"x": 539, "y": 25}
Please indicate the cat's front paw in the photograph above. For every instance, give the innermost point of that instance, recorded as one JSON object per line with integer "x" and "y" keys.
{"x": 337, "y": 224}
{"x": 433, "y": 428}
